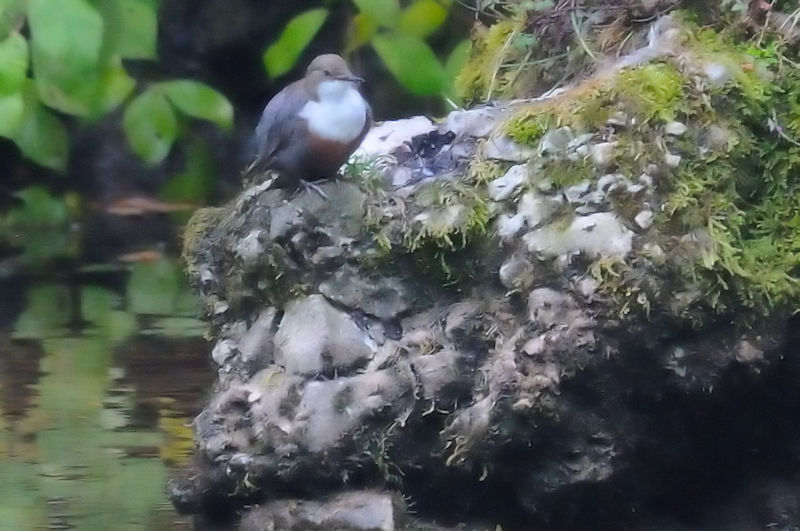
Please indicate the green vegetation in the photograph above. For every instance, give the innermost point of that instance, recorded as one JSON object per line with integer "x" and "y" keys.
{"x": 729, "y": 225}
{"x": 65, "y": 58}
{"x": 438, "y": 235}
{"x": 650, "y": 92}
{"x": 397, "y": 34}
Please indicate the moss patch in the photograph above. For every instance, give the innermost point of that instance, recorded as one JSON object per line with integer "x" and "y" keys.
{"x": 653, "y": 92}
{"x": 481, "y": 75}
{"x": 729, "y": 223}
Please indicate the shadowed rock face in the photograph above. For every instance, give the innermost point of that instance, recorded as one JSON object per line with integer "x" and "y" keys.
{"x": 492, "y": 342}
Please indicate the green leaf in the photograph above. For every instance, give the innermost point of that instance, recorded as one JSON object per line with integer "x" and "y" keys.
{"x": 282, "y": 55}
{"x": 384, "y": 12}
{"x": 41, "y": 135}
{"x": 12, "y": 112}
{"x": 199, "y": 101}
{"x": 131, "y": 27}
{"x": 114, "y": 86}
{"x": 455, "y": 63}
{"x": 422, "y": 18}
{"x": 197, "y": 182}
{"x": 66, "y": 41}
{"x": 12, "y": 15}
{"x": 150, "y": 125}
{"x": 68, "y": 33}
{"x": 412, "y": 62}
{"x": 360, "y": 31}
{"x": 13, "y": 63}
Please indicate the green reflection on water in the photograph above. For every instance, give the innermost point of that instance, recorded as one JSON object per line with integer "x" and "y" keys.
{"x": 82, "y": 453}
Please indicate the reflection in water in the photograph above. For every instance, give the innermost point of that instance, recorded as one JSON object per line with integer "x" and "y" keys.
{"x": 98, "y": 385}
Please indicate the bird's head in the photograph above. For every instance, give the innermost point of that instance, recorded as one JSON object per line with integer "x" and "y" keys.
{"x": 328, "y": 77}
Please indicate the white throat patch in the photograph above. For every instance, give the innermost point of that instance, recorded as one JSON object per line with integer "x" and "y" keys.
{"x": 340, "y": 113}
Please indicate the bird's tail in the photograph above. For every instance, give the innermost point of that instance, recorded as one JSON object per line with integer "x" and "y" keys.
{"x": 258, "y": 174}
{"x": 255, "y": 173}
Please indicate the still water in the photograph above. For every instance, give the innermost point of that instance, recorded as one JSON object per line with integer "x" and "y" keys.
{"x": 101, "y": 373}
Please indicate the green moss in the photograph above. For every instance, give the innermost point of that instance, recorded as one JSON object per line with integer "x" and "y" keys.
{"x": 729, "y": 222}
{"x": 530, "y": 126}
{"x": 451, "y": 214}
{"x": 652, "y": 92}
{"x": 481, "y": 74}
{"x": 565, "y": 173}
{"x": 484, "y": 171}
{"x": 202, "y": 222}
{"x": 744, "y": 195}
{"x": 434, "y": 235}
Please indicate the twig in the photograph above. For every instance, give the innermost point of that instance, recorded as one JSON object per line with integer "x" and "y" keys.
{"x": 499, "y": 61}
{"x": 577, "y": 29}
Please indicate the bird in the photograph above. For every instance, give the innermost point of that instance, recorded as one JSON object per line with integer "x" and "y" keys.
{"x": 312, "y": 126}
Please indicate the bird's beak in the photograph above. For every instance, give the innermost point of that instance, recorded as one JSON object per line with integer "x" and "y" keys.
{"x": 351, "y": 78}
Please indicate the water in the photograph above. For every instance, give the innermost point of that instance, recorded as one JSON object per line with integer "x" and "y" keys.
{"x": 101, "y": 372}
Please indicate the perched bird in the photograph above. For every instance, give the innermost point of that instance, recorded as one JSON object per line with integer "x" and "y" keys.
{"x": 312, "y": 126}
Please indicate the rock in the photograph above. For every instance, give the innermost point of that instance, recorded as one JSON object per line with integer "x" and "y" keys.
{"x": 223, "y": 351}
{"x": 536, "y": 209}
{"x": 479, "y": 122}
{"x": 329, "y": 410}
{"x": 548, "y": 307}
{"x": 503, "y": 148}
{"x": 587, "y": 286}
{"x": 517, "y": 273}
{"x": 618, "y": 119}
{"x": 556, "y": 141}
{"x": 250, "y": 248}
{"x": 644, "y": 219}
{"x": 315, "y": 338}
{"x": 518, "y": 376}
{"x": 256, "y": 346}
{"x": 383, "y": 297}
{"x": 675, "y": 128}
{"x": 577, "y": 192}
{"x": 602, "y": 154}
{"x": 350, "y": 511}
{"x": 672, "y": 160}
{"x": 717, "y": 74}
{"x": 504, "y": 187}
{"x": 600, "y": 234}
{"x": 508, "y": 226}
{"x": 610, "y": 182}
{"x": 715, "y": 138}
{"x": 387, "y": 137}
{"x": 436, "y": 372}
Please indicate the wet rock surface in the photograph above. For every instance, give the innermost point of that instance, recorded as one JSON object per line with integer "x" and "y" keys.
{"x": 464, "y": 328}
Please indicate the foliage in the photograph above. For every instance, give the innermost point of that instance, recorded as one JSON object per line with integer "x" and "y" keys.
{"x": 283, "y": 54}
{"x": 65, "y": 58}
{"x": 150, "y": 122}
{"x": 396, "y": 34}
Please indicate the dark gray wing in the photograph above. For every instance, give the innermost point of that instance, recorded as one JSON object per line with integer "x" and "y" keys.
{"x": 276, "y": 121}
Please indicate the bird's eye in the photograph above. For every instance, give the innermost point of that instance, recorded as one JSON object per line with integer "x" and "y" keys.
{"x": 327, "y": 72}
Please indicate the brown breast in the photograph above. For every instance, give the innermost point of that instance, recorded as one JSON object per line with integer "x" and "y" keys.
{"x": 327, "y": 156}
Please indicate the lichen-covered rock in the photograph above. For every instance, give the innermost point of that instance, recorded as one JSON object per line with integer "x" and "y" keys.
{"x": 350, "y": 511}
{"x": 511, "y": 320}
